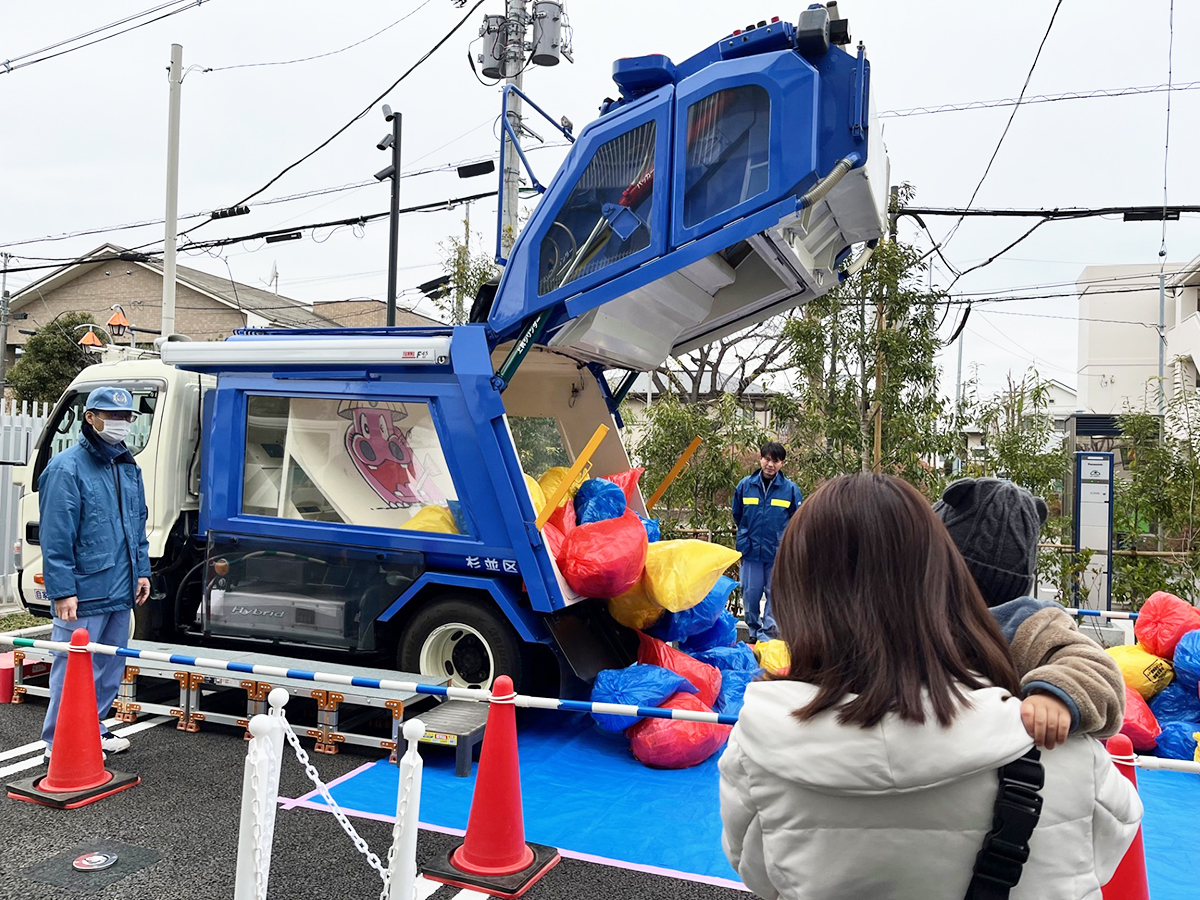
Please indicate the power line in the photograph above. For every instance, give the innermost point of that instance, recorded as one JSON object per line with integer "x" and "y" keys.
{"x": 1040, "y": 98}
{"x": 9, "y": 65}
{"x": 364, "y": 111}
{"x": 1008, "y": 125}
{"x": 1162, "y": 249}
{"x": 288, "y": 62}
{"x": 1135, "y": 213}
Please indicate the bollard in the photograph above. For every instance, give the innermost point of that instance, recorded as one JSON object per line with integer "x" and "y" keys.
{"x": 260, "y": 794}
{"x": 402, "y": 865}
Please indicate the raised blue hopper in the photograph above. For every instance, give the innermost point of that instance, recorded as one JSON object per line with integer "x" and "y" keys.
{"x": 712, "y": 195}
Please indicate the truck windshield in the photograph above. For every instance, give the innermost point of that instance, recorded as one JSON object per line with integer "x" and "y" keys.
{"x": 63, "y": 431}
{"x": 357, "y": 461}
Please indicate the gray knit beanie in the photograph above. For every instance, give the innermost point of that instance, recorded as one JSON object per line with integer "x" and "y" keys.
{"x": 996, "y": 526}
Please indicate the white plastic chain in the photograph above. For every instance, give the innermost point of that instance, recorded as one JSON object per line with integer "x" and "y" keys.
{"x": 260, "y": 856}
{"x": 359, "y": 844}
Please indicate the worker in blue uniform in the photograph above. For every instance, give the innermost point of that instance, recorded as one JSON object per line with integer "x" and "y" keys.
{"x": 94, "y": 550}
{"x": 763, "y": 504}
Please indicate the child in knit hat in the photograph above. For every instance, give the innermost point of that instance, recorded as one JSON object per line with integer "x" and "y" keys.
{"x": 1069, "y": 683}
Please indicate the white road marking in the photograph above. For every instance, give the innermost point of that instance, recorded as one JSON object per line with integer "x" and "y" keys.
{"x": 39, "y": 746}
{"x": 426, "y": 888}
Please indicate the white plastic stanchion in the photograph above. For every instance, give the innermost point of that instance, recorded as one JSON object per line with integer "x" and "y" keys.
{"x": 260, "y": 793}
{"x": 402, "y": 858}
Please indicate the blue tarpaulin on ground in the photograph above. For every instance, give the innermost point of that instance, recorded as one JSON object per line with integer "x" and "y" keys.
{"x": 584, "y": 792}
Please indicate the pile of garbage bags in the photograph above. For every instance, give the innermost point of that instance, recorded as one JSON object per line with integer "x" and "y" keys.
{"x": 1162, "y": 679}
{"x": 672, "y": 593}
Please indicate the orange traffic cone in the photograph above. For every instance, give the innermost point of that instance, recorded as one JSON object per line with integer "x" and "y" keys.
{"x": 77, "y": 775}
{"x": 1129, "y": 881}
{"x": 494, "y": 855}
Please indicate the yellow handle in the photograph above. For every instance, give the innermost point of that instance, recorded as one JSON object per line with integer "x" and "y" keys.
{"x": 581, "y": 461}
{"x": 674, "y": 473}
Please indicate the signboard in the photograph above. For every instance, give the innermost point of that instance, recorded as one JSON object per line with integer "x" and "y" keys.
{"x": 1093, "y": 528}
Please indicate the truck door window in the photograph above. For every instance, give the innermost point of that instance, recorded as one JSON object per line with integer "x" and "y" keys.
{"x": 727, "y": 154}
{"x": 607, "y": 215}
{"x": 364, "y": 462}
{"x": 64, "y": 429}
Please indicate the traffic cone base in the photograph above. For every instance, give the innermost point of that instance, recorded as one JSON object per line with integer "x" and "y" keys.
{"x": 443, "y": 869}
{"x": 28, "y": 789}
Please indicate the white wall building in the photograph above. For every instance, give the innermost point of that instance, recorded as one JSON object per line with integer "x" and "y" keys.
{"x": 1118, "y": 334}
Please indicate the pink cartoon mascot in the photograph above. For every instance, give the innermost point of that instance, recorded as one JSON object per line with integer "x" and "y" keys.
{"x": 380, "y": 450}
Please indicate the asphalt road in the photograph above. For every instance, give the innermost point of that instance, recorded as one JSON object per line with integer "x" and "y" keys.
{"x": 186, "y": 810}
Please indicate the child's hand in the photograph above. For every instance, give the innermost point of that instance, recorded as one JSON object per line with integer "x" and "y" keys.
{"x": 1047, "y": 720}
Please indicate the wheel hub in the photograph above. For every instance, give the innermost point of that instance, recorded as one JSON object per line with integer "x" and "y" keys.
{"x": 460, "y": 653}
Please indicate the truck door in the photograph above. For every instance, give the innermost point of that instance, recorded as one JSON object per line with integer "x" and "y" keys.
{"x": 62, "y": 431}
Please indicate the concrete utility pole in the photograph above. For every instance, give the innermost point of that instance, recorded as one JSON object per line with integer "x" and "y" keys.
{"x": 958, "y": 394}
{"x": 1162, "y": 340}
{"x": 172, "y": 217}
{"x": 4, "y": 258}
{"x": 514, "y": 68}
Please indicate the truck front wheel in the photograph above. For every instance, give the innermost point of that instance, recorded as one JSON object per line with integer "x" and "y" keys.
{"x": 463, "y": 640}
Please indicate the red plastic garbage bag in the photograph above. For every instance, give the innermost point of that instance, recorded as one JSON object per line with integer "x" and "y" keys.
{"x": 604, "y": 559}
{"x": 1140, "y": 726}
{"x": 675, "y": 743}
{"x": 1162, "y": 621}
{"x": 627, "y": 481}
{"x": 706, "y": 678}
{"x": 554, "y": 541}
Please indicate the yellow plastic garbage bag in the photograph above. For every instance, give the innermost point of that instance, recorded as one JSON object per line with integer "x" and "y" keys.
{"x": 1143, "y": 671}
{"x": 437, "y": 519}
{"x": 773, "y": 656}
{"x": 551, "y": 479}
{"x": 536, "y": 494}
{"x": 634, "y": 609}
{"x": 679, "y": 574}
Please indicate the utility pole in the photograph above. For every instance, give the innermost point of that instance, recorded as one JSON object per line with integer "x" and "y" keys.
{"x": 4, "y": 257}
{"x": 464, "y": 262}
{"x": 394, "y": 215}
{"x": 1162, "y": 340}
{"x": 172, "y": 217}
{"x": 958, "y": 394}
{"x": 517, "y": 20}
{"x": 880, "y": 325}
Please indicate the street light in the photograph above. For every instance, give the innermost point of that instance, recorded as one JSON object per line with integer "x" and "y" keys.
{"x": 118, "y": 324}
{"x": 392, "y": 142}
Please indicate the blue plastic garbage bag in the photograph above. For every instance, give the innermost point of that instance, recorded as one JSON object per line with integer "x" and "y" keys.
{"x": 653, "y": 530}
{"x": 727, "y": 659}
{"x": 1177, "y": 740}
{"x": 682, "y": 625}
{"x": 1175, "y": 703}
{"x": 1187, "y": 661}
{"x": 598, "y": 499}
{"x": 733, "y": 690}
{"x": 636, "y": 685}
{"x": 723, "y": 633}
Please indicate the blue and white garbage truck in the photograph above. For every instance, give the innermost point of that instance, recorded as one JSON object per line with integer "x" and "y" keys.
{"x": 291, "y": 473}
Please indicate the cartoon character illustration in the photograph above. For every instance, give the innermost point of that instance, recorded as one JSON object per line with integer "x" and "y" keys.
{"x": 380, "y": 451}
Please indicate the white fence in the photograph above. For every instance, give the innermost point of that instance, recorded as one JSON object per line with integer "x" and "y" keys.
{"x": 20, "y": 425}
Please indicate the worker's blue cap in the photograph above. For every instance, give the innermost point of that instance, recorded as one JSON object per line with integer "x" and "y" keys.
{"x": 111, "y": 399}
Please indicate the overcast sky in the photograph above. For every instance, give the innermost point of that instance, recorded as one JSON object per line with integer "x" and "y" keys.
{"x": 84, "y": 142}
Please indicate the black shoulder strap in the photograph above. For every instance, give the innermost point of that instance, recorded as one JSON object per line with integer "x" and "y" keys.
{"x": 1006, "y": 847}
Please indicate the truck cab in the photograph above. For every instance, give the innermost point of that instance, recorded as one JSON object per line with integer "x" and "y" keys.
{"x": 364, "y": 490}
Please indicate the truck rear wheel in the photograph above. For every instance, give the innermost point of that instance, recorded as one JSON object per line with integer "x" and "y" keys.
{"x": 463, "y": 640}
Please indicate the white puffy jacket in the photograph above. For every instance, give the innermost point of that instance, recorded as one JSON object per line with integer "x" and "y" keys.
{"x": 823, "y": 811}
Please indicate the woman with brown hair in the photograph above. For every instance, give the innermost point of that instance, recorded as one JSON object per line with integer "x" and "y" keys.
{"x": 872, "y": 769}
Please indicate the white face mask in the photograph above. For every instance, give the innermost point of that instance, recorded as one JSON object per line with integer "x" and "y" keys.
{"x": 115, "y": 430}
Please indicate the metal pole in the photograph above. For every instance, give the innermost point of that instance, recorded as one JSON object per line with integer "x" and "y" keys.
{"x": 4, "y": 257}
{"x": 1162, "y": 339}
{"x": 958, "y": 395}
{"x": 394, "y": 221}
{"x": 514, "y": 64}
{"x": 172, "y": 226}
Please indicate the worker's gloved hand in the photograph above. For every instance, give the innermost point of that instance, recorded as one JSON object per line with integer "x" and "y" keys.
{"x": 143, "y": 591}
{"x": 66, "y": 607}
